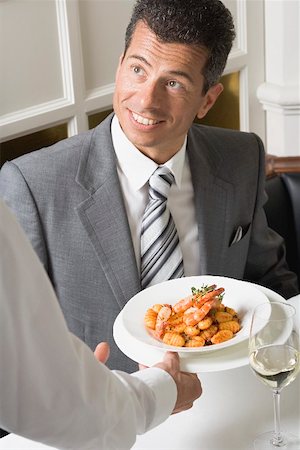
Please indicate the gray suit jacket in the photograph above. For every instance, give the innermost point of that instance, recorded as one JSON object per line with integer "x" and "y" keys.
{"x": 68, "y": 200}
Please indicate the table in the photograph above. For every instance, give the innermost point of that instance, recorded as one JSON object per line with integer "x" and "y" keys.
{"x": 234, "y": 407}
{"x": 232, "y": 410}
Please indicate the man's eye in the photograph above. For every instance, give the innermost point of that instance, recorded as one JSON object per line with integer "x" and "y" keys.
{"x": 137, "y": 70}
{"x": 174, "y": 84}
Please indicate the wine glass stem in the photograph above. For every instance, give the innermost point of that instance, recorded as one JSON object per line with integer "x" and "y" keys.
{"x": 278, "y": 438}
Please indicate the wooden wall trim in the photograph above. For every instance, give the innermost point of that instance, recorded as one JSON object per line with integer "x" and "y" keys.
{"x": 281, "y": 164}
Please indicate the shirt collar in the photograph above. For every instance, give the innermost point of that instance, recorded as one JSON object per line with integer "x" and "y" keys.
{"x": 137, "y": 167}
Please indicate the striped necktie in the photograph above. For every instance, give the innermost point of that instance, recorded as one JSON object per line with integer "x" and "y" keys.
{"x": 161, "y": 257}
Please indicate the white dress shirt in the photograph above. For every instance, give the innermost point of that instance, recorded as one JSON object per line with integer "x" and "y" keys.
{"x": 52, "y": 388}
{"x": 134, "y": 170}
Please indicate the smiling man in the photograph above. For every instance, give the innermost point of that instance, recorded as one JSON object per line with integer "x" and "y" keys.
{"x": 88, "y": 203}
{"x": 160, "y": 91}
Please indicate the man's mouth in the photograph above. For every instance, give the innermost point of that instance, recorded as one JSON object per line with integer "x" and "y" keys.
{"x": 144, "y": 120}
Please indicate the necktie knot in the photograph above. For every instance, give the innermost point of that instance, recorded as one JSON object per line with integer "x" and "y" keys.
{"x": 160, "y": 183}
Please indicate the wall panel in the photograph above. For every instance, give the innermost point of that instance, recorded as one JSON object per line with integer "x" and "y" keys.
{"x": 103, "y": 25}
{"x": 29, "y": 52}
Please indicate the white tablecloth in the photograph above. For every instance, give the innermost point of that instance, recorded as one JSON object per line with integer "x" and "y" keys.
{"x": 234, "y": 407}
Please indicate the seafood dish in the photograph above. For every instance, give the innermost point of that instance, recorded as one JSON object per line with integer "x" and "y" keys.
{"x": 198, "y": 320}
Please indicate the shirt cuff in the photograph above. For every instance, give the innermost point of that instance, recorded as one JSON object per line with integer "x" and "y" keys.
{"x": 164, "y": 388}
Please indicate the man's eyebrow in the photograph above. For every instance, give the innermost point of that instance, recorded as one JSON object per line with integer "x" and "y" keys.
{"x": 178, "y": 73}
{"x": 140, "y": 58}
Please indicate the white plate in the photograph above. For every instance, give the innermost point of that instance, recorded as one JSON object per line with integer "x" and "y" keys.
{"x": 225, "y": 359}
{"x": 239, "y": 295}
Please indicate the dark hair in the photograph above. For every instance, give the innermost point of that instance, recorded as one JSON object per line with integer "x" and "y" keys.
{"x": 206, "y": 23}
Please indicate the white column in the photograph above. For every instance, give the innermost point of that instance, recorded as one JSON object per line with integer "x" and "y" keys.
{"x": 280, "y": 94}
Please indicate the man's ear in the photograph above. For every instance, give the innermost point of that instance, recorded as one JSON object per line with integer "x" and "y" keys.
{"x": 209, "y": 99}
{"x": 119, "y": 64}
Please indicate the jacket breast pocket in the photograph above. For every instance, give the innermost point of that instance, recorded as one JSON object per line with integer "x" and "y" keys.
{"x": 237, "y": 253}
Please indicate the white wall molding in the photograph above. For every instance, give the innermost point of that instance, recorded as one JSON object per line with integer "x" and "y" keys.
{"x": 79, "y": 121}
{"x": 241, "y": 28}
{"x": 282, "y": 99}
{"x": 244, "y": 99}
{"x": 100, "y": 98}
{"x": 64, "y": 47}
{"x": 35, "y": 118}
{"x": 238, "y": 55}
{"x": 247, "y": 58}
{"x": 280, "y": 93}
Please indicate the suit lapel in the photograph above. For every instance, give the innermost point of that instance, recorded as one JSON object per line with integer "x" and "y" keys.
{"x": 103, "y": 214}
{"x": 212, "y": 204}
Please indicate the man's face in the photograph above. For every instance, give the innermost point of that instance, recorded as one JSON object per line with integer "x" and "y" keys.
{"x": 159, "y": 92}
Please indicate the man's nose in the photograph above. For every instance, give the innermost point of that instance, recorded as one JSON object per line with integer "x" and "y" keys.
{"x": 151, "y": 95}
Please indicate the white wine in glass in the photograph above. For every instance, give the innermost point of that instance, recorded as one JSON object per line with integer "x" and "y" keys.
{"x": 274, "y": 358}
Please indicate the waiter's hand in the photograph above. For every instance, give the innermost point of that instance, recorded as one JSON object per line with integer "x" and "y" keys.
{"x": 188, "y": 384}
{"x": 102, "y": 352}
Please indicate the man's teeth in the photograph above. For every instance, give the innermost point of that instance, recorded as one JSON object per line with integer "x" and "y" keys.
{"x": 143, "y": 120}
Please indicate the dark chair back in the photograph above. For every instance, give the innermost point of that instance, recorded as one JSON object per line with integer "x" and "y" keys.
{"x": 283, "y": 212}
{"x": 3, "y": 433}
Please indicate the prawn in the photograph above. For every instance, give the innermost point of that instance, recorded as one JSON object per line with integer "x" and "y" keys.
{"x": 195, "y": 317}
{"x": 208, "y": 296}
{"x": 161, "y": 321}
{"x": 183, "y": 304}
{"x": 190, "y": 310}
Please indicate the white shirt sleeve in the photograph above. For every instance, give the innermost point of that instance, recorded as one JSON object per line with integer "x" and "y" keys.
{"x": 52, "y": 388}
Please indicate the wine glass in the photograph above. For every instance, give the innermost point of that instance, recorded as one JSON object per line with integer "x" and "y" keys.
{"x": 274, "y": 359}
